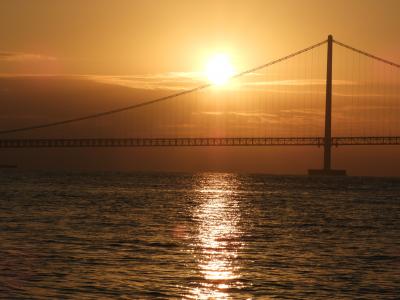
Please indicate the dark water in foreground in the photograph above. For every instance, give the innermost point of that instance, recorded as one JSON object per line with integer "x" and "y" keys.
{"x": 197, "y": 236}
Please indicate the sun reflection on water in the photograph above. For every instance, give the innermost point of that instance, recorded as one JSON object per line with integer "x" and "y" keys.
{"x": 218, "y": 237}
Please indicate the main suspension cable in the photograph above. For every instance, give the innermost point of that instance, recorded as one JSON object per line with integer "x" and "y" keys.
{"x": 367, "y": 54}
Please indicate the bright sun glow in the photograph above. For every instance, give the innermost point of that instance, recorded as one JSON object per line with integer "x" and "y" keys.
{"x": 219, "y": 69}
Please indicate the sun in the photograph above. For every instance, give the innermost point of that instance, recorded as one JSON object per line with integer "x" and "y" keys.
{"x": 219, "y": 69}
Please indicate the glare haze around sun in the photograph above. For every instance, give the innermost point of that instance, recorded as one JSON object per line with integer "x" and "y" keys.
{"x": 219, "y": 69}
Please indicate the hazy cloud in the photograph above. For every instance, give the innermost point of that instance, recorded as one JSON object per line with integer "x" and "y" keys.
{"x": 163, "y": 81}
{"x": 297, "y": 82}
{"x": 179, "y": 81}
{"x": 246, "y": 114}
{"x": 21, "y": 56}
{"x": 184, "y": 80}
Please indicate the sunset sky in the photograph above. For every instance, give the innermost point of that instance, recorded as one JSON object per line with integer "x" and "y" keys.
{"x": 61, "y": 59}
{"x": 137, "y": 37}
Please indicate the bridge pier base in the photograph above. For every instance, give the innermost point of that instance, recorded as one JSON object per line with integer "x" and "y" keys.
{"x": 328, "y": 172}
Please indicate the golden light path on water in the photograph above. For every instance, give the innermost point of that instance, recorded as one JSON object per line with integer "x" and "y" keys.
{"x": 218, "y": 237}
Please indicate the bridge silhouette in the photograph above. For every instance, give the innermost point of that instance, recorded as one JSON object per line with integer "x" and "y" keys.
{"x": 388, "y": 106}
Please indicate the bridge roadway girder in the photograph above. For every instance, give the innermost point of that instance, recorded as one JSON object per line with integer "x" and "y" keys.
{"x": 191, "y": 142}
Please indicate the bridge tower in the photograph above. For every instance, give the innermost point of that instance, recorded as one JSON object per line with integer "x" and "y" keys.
{"x": 327, "y": 170}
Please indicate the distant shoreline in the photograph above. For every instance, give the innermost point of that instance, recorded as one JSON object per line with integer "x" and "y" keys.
{"x": 8, "y": 166}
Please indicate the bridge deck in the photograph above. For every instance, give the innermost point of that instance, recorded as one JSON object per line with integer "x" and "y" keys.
{"x": 189, "y": 142}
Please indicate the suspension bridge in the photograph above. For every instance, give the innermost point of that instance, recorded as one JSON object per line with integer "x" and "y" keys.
{"x": 291, "y": 101}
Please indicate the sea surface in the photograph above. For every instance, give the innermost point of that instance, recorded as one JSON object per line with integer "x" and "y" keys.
{"x": 197, "y": 236}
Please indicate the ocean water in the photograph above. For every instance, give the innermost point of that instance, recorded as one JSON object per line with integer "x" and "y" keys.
{"x": 197, "y": 236}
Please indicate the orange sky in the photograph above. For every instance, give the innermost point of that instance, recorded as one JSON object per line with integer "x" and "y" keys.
{"x": 136, "y": 37}
{"x": 106, "y": 54}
